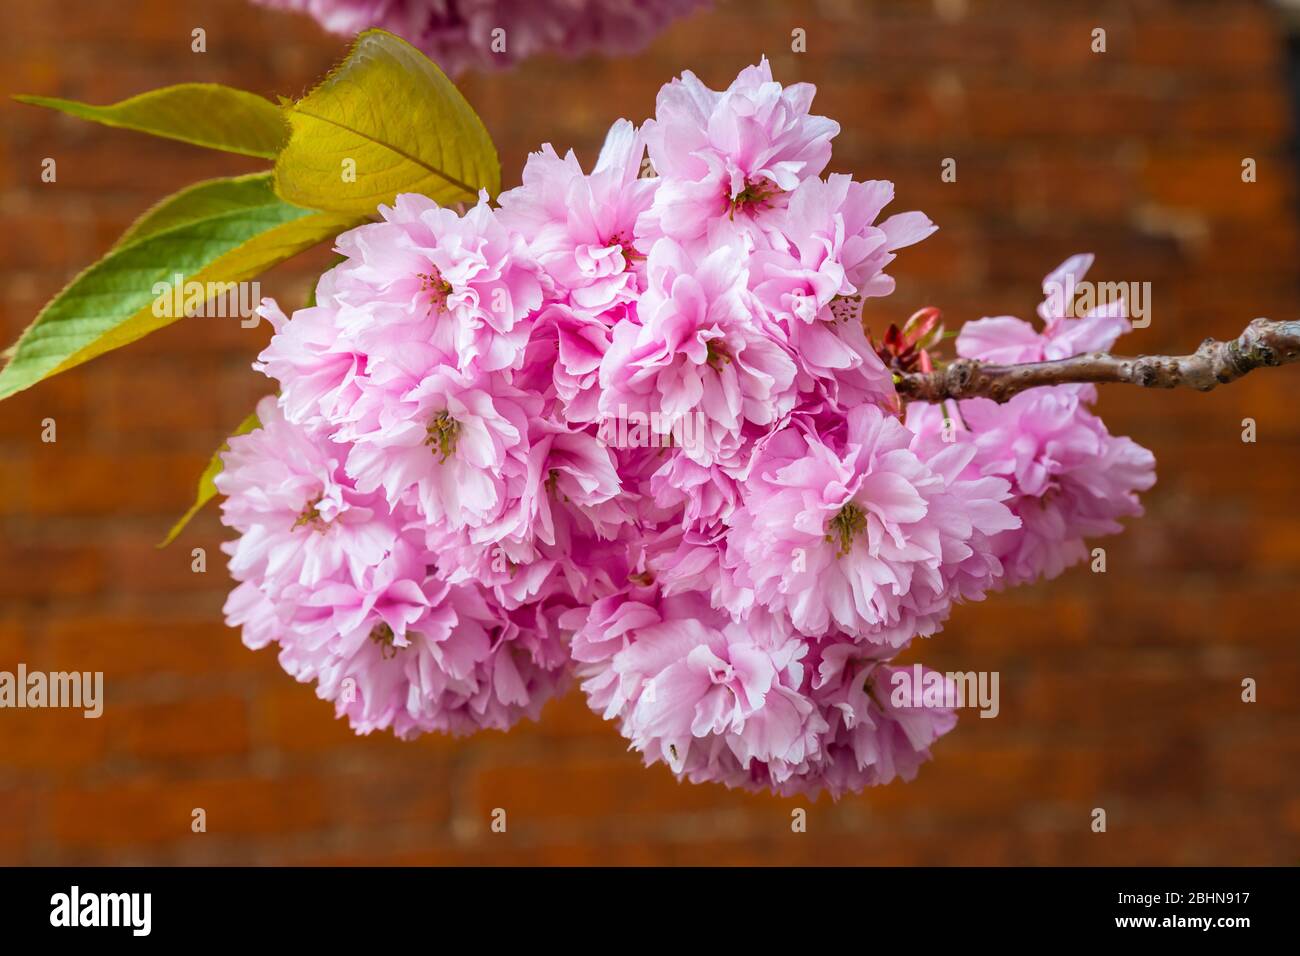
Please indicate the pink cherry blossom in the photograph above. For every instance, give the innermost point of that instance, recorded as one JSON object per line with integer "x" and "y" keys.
{"x": 357, "y": 603}
{"x": 1009, "y": 340}
{"x": 301, "y": 519}
{"x": 855, "y": 531}
{"x": 628, "y": 430}
{"x": 1071, "y": 479}
{"x": 455, "y": 445}
{"x": 699, "y": 349}
{"x": 727, "y": 160}
{"x": 747, "y": 706}
{"x": 581, "y": 227}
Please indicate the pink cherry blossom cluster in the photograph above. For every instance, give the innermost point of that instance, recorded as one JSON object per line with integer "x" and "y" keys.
{"x": 496, "y": 34}
{"x": 627, "y": 429}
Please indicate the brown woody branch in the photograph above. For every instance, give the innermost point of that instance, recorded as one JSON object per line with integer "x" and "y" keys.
{"x": 1264, "y": 343}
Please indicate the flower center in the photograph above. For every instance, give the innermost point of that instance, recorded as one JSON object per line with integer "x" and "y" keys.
{"x": 870, "y": 690}
{"x": 443, "y": 432}
{"x": 436, "y": 287}
{"x": 553, "y": 482}
{"x": 311, "y": 517}
{"x": 846, "y": 525}
{"x": 716, "y": 354}
{"x": 755, "y": 195}
{"x": 625, "y": 244}
{"x": 846, "y": 307}
{"x": 383, "y": 635}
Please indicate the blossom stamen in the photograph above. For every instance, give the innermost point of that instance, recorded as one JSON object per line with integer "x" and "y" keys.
{"x": 846, "y": 307}
{"x": 846, "y": 525}
{"x": 310, "y": 516}
{"x": 383, "y": 635}
{"x": 755, "y": 195}
{"x": 553, "y": 483}
{"x": 436, "y": 287}
{"x": 625, "y": 246}
{"x": 443, "y": 433}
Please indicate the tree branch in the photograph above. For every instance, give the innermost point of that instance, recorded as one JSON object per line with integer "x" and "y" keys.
{"x": 1264, "y": 343}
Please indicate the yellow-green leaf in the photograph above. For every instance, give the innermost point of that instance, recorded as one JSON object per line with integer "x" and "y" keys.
{"x": 385, "y": 121}
{"x": 203, "y": 114}
{"x": 207, "y": 488}
{"x": 193, "y": 241}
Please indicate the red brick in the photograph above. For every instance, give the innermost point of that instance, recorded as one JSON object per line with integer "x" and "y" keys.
{"x": 1120, "y": 690}
{"x": 568, "y": 717}
{"x": 13, "y": 641}
{"x": 141, "y": 568}
{"x": 290, "y": 718}
{"x": 17, "y": 821}
{"x": 55, "y": 740}
{"x": 43, "y": 571}
{"x": 384, "y": 797}
{"x": 141, "y": 645}
{"x": 157, "y": 810}
{"x": 22, "y": 424}
{"x": 192, "y": 729}
{"x": 69, "y": 482}
{"x": 535, "y": 794}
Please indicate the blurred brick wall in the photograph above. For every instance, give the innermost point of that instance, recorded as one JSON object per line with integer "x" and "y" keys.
{"x": 1118, "y": 690}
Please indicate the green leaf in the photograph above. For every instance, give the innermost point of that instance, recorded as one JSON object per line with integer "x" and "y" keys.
{"x": 207, "y": 488}
{"x": 390, "y": 111}
{"x": 203, "y": 200}
{"x": 220, "y": 232}
{"x": 203, "y": 114}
